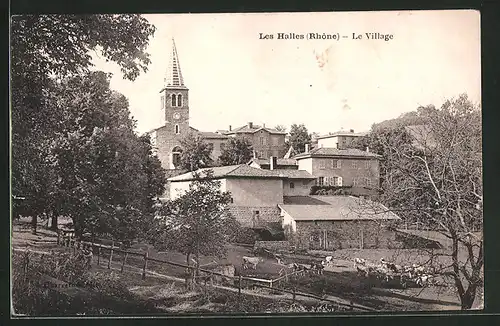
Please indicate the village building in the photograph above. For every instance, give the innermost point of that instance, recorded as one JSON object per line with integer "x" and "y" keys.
{"x": 166, "y": 139}
{"x": 280, "y": 163}
{"x": 266, "y": 142}
{"x": 339, "y": 139}
{"x": 338, "y": 222}
{"x": 341, "y": 167}
{"x": 255, "y": 192}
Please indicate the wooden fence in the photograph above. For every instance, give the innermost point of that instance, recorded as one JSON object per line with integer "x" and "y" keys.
{"x": 68, "y": 240}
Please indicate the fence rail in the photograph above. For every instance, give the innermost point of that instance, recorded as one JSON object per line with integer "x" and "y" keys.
{"x": 68, "y": 240}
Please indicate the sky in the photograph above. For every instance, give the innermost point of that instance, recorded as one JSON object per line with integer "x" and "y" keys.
{"x": 234, "y": 77}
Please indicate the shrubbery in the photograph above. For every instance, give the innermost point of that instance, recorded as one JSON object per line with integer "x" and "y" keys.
{"x": 99, "y": 292}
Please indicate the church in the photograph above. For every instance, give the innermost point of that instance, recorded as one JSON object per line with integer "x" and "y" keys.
{"x": 166, "y": 139}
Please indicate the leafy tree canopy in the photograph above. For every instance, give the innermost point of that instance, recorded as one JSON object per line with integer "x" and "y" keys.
{"x": 196, "y": 153}
{"x": 236, "y": 151}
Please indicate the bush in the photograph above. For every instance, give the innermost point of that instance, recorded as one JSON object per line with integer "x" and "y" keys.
{"x": 103, "y": 293}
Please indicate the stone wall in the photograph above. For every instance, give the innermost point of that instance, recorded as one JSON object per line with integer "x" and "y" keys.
{"x": 334, "y": 235}
{"x": 273, "y": 246}
{"x": 247, "y": 215}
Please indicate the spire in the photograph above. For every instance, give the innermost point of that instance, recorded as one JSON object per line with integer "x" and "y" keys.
{"x": 174, "y": 75}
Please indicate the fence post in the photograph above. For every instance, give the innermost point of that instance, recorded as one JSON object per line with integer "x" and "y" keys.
{"x": 111, "y": 255}
{"x": 294, "y": 294}
{"x": 271, "y": 284}
{"x": 145, "y": 264}
{"x": 98, "y": 255}
{"x": 239, "y": 286}
{"x": 125, "y": 255}
{"x": 58, "y": 238}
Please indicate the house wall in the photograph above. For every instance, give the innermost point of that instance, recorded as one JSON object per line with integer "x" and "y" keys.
{"x": 306, "y": 164}
{"x": 288, "y": 223}
{"x": 178, "y": 188}
{"x": 218, "y": 144}
{"x": 247, "y": 216}
{"x": 302, "y": 187}
{"x": 342, "y": 141}
{"x": 255, "y": 192}
{"x": 351, "y": 174}
{"x": 271, "y": 145}
{"x": 334, "y": 235}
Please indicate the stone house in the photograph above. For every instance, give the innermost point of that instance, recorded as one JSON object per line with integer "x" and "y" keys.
{"x": 266, "y": 142}
{"x": 339, "y": 139}
{"x": 338, "y": 222}
{"x": 255, "y": 192}
{"x": 341, "y": 167}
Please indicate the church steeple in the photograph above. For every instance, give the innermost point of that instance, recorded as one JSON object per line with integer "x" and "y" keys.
{"x": 173, "y": 77}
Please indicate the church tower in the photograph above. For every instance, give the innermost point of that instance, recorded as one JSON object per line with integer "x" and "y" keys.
{"x": 175, "y": 107}
{"x": 174, "y": 96}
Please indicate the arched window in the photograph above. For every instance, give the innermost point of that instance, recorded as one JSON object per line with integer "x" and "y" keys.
{"x": 174, "y": 102}
{"x": 176, "y": 156}
{"x": 179, "y": 100}
{"x": 177, "y": 130}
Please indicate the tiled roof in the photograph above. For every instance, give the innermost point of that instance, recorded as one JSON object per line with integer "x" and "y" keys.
{"x": 293, "y": 174}
{"x": 342, "y": 133}
{"x": 279, "y": 161}
{"x": 339, "y": 208}
{"x": 219, "y": 172}
{"x": 327, "y": 151}
{"x": 247, "y": 171}
{"x": 255, "y": 128}
{"x": 211, "y": 135}
{"x": 302, "y": 200}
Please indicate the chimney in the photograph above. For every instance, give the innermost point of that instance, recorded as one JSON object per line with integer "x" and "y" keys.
{"x": 273, "y": 162}
{"x": 367, "y": 149}
{"x": 250, "y": 125}
{"x": 263, "y": 125}
{"x": 352, "y": 130}
{"x": 307, "y": 148}
{"x": 230, "y": 128}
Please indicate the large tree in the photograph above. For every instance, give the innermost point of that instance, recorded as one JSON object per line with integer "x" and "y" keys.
{"x": 439, "y": 184}
{"x": 196, "y": 153}
{"x": 299, "y": 137}
{"x": 196, "y": 223}
{"x": 236, "y": 151}
{"x": 107, "y": 175}
{"x": 46, "y": 48}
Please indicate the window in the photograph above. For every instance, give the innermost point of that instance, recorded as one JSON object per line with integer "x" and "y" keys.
{"x": 177, "y": 130}
{"x": 256, "y": 212}
{"x": 232, "y": 200}
{"x": 320, "y": 181}
{"x": 179, "y": 100}
{"x": 162, "y": 102}
{"x": 292, "y": 185}
{"x": 322, "y": 164}
{"x": 335, "y": 181}
{"x": 262, "y": 141}
{"x": 368, "y": 182}
{"x": 367, "y": 164}
{"x": 174, "y": 101}
{"x": 275, "y": 141}
{"x": 355, "y": 182}
{"x": 336, "y": 164}
{"x": 354, "y": 164}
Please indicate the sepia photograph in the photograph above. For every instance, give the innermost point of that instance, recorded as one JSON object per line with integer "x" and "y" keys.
{"x": 246, "y": 164}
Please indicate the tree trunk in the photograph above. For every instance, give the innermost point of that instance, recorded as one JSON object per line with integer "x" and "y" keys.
{"x": 34, "y": 221}
{"x": 467, "y": 299}
{"x": 54, "y": 221}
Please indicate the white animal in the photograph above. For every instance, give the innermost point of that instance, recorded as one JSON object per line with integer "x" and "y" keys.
{"x": 253, "y": 261}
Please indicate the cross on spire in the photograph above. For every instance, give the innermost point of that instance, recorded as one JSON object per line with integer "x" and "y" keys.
{"x": 174, "y": 74}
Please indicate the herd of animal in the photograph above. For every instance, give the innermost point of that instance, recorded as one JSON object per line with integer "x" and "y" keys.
{"x": 388, "y": 272}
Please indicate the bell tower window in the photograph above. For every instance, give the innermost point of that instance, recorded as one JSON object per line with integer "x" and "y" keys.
{"x": 174, "y": 102}
{"x": 179, "y": 100}
{"x": 177, "y": 131}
